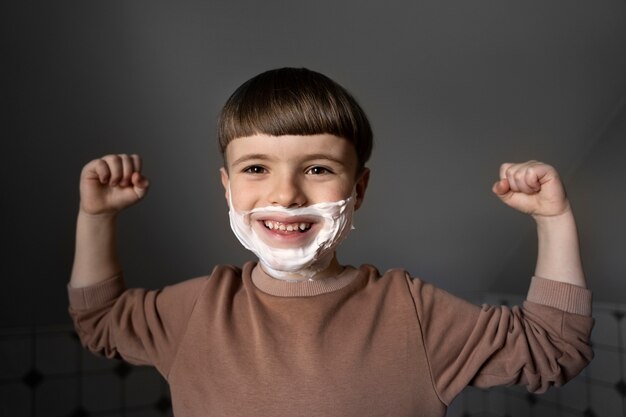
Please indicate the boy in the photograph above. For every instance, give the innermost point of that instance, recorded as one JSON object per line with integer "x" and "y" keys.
{"x": 299, "y": 334}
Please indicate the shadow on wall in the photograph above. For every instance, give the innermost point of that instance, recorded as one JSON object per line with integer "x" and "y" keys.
{"x": 45, "y": 372}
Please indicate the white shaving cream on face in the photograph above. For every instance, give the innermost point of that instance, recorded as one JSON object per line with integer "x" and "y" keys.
{"x": 334, "y": 221}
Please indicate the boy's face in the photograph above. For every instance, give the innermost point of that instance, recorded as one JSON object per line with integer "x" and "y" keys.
{"x": 290, "y": 171}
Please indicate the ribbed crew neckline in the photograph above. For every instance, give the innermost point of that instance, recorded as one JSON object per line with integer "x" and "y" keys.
{"x": 281, "y": 288}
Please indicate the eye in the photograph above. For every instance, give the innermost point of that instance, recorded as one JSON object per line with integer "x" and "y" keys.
{"x": 318, "y": 170}
{"x": 255, "y": 169}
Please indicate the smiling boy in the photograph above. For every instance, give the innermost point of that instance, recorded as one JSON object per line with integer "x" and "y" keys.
{"x": 297, "y": 333}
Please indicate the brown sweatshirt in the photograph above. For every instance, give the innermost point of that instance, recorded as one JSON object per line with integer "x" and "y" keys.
{"x": 240, "y": 343}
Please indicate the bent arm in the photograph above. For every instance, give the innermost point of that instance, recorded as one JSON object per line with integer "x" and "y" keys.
{"x": 545, "y": 342}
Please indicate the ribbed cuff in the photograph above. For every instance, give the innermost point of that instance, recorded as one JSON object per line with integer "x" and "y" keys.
{"x": 566, "y": 297}
{"x": 97, "y": 294}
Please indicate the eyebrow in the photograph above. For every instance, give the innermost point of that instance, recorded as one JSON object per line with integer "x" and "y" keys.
{"x": 264, "y": 157}
{"x": 325, "y": 156}
{"x": 250, "y": 157}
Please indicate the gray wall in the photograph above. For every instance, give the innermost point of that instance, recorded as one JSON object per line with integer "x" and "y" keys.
{"x": 452, "y": 88}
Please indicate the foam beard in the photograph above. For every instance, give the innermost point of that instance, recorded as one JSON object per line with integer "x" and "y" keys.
{"x": 306, "y": 260}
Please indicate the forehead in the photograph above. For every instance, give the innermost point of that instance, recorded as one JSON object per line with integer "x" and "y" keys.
{"x": 291, "y": 148}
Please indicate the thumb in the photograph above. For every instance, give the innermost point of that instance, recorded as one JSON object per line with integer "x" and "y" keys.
{"x": 501, "y": 188}
{"x": 140, "y": 184}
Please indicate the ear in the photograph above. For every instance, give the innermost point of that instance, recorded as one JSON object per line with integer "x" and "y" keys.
{"x": 225, "y": 182}
{"x": 361, "y": 187}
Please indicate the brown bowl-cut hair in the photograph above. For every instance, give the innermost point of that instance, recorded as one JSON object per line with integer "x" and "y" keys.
{"x": 295, "y": 101}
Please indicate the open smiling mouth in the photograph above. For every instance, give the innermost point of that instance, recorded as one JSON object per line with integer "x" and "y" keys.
{"x": 297, "y": 227}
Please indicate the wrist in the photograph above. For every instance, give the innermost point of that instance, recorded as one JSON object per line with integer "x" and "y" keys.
{"x": 564, "y": 215}
{"x": 558, "y": 226}
{"x": 104, "y": 217}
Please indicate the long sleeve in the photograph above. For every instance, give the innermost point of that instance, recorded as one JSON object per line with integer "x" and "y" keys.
{"x": 140, "y": 326}
{"x": 544, "y": 342}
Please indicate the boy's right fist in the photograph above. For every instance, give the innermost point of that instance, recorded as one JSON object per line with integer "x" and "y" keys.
{"x": 111, "y": 183}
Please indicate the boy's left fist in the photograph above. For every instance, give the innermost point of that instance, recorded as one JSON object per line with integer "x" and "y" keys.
{"x": 533, "y": 188}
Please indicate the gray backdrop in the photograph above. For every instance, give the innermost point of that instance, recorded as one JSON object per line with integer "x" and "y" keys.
{"x": 452, "y": 89}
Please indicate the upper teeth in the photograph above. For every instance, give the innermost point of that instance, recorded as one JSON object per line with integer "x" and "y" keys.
{"x": 289, "y": 227}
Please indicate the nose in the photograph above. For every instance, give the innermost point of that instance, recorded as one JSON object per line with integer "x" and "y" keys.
{"x": 286, "y": 191}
